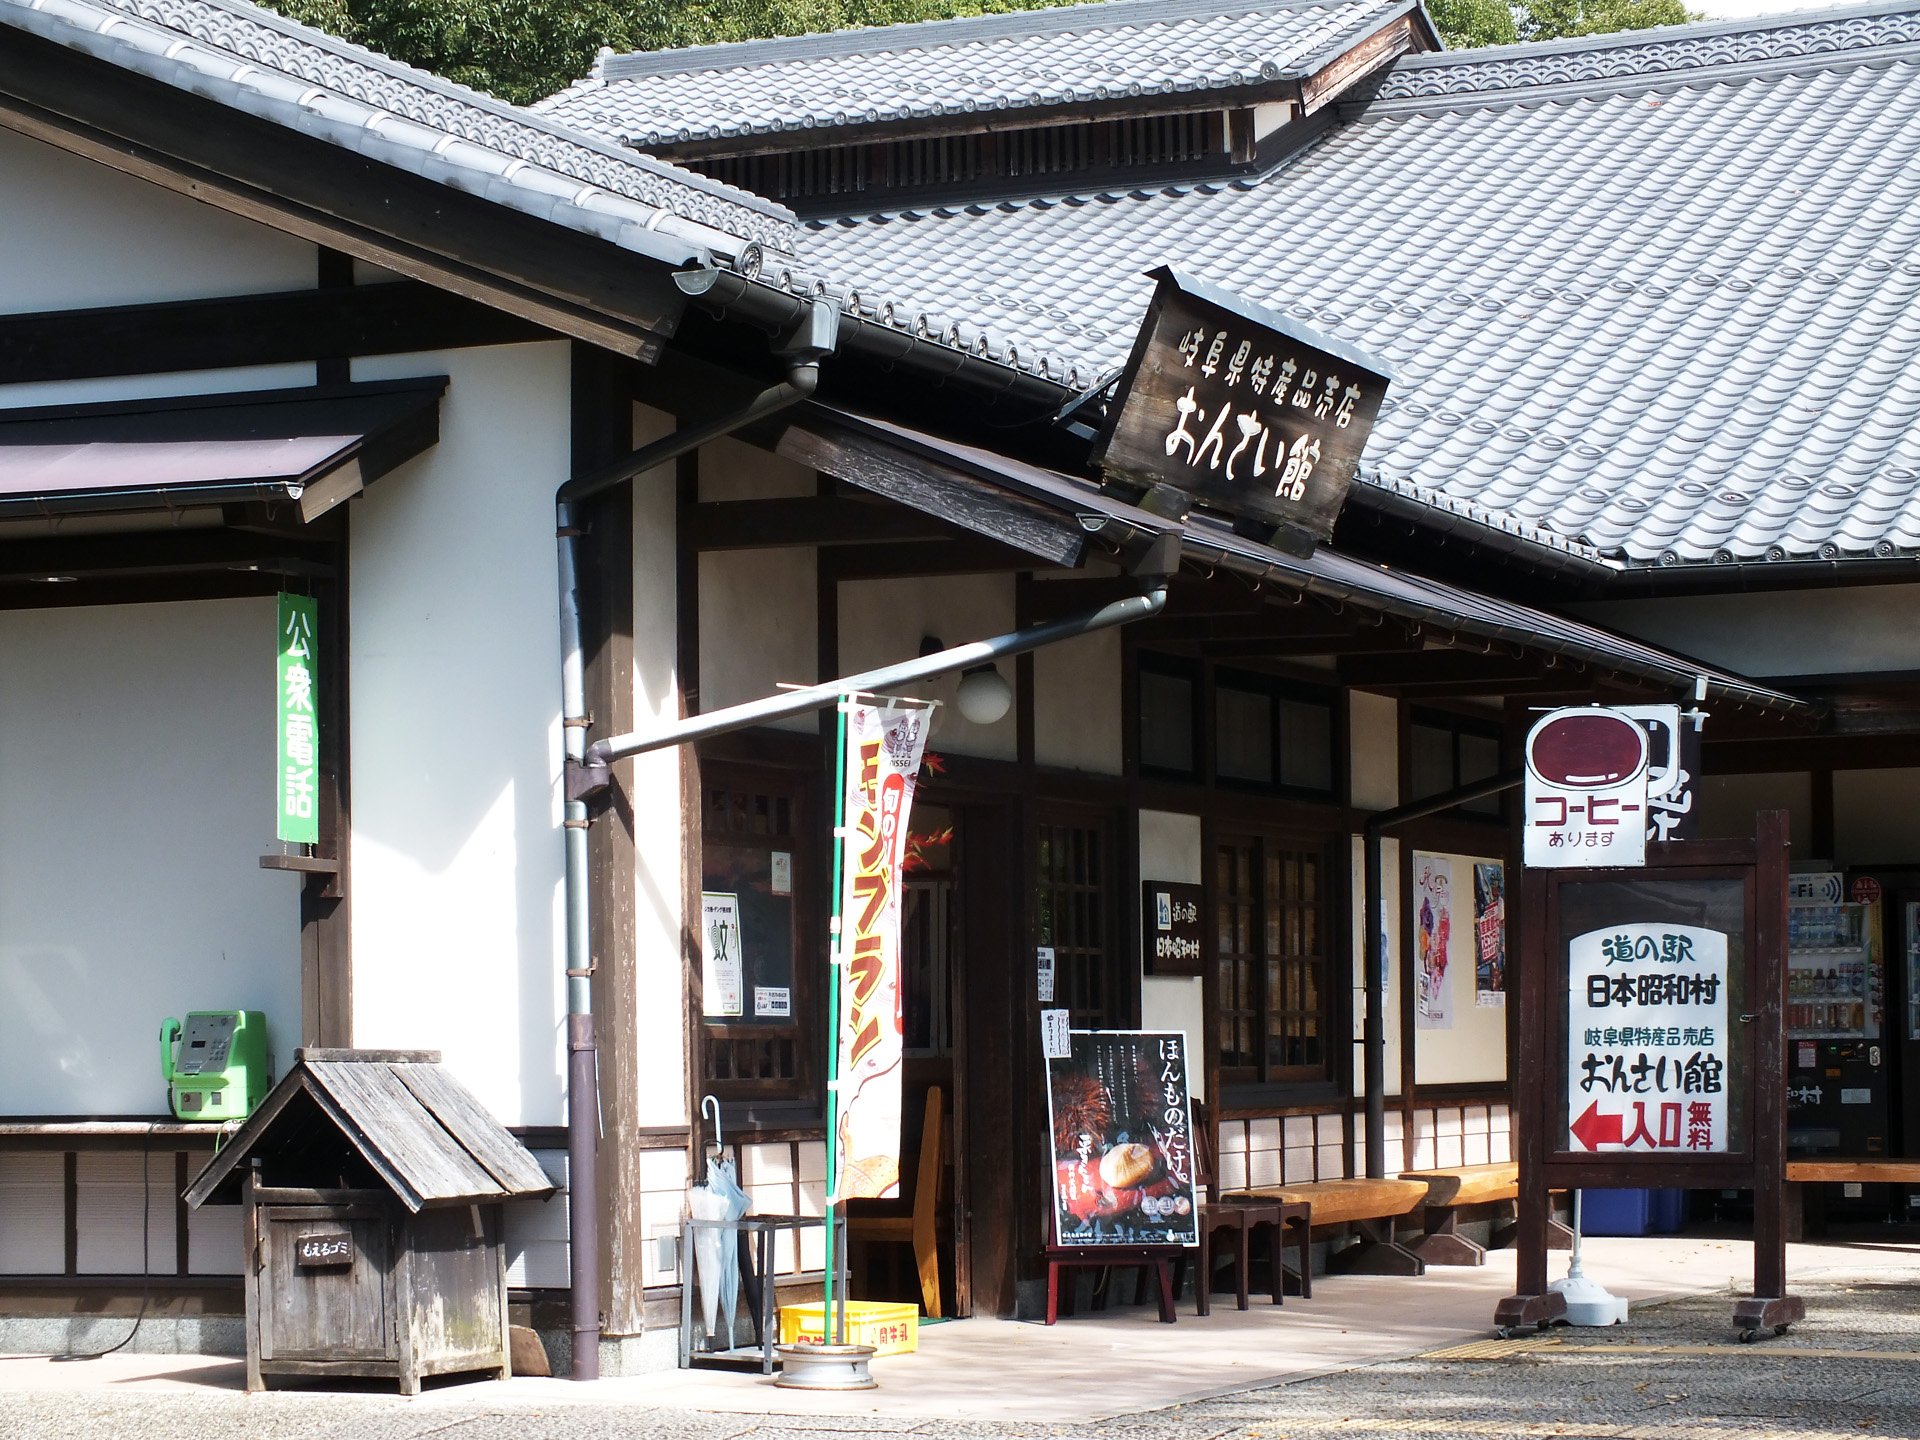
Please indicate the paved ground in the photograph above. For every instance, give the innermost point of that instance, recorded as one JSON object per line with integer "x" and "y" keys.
{"x": 1677, "y": 1373}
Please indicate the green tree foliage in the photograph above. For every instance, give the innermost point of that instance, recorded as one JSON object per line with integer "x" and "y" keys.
{"x": 522, "y": 50}
{"x": 1464, "y": 24}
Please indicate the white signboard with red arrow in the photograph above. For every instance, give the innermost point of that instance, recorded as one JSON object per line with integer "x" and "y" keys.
{"x": 1647, "y": 1040}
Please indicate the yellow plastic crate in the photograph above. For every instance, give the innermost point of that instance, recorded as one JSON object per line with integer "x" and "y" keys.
{"x": 890, "y": 1329}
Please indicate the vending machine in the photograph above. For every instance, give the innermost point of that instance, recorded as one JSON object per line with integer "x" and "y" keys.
{"x": 1839, "y": 1090}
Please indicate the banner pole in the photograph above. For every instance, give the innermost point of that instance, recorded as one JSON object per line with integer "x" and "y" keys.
{"x": 833, "y": 1324}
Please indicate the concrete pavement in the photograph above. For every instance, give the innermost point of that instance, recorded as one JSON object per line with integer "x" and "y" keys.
{"x": 1844, "y": 1372}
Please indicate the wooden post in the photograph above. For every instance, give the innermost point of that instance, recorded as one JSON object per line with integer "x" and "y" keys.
{"x": 1770, "y": 1306}
{"x": 1532, "y": 1303}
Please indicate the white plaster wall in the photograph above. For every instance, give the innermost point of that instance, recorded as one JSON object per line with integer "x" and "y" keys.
{"x": 1374, "y": 750}
{"x": 733, "y": 470}
{"x": 1076, "y": 704}
{"x": 659, "y": 992}
{"x": 1474, "y": 1048}
{"x": 1170, "y": 851}
{"x": 1786, "y": 632}
{"x": 457, "y": 850}
{"x": 74, "y": 234}
{"x": 757, "y": 628}
{"x": 1726, "y": 806}
{"x": 1390, "y": 922}
{"x": 136, "y": 797}
{"x": 882, "y": 622}
{"x": 1876, "y": 817}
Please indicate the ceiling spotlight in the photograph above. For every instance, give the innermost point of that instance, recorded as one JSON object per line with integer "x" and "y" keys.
{"x": 983, "y": 696}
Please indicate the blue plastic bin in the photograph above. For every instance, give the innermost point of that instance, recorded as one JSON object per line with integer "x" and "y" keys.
{"x": 1633, "y": 1212}
{"x": 1669, "y": 1212}
{"x": 1616, "y": 1212}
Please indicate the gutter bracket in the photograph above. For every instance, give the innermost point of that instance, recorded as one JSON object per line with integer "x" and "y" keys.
{"x": 585, "y": 778}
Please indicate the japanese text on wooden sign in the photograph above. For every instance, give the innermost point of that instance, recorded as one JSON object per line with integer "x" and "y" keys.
{"x": 1170, "y": 924}
{"x": 882, "y": 758}
{"x": 1122, "y": 1140}
{"x": 299, "y": 720}
{"x": 1242, "y": 408}
{"x": 1647, "y": 1039}
{"x": 1586, "y": 789}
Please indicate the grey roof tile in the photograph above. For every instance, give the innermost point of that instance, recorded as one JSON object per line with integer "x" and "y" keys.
{"x": 1025, "y": 59}
{"x": 262, "y": 63}
{"x": 1680, "y": 293}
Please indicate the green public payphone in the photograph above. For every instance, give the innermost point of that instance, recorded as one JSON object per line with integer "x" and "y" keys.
{"x": 221, "y": 1070}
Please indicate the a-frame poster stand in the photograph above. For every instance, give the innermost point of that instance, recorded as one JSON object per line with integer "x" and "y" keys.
{"x": 1613, "y": 1096}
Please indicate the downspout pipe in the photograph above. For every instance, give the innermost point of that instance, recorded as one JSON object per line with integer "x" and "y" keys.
{"x": 803, "y": 346}
{"x": 1374, "y": 960}
{"x": 885, "y": 680}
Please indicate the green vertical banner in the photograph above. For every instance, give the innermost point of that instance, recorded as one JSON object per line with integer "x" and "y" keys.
{"x": 299, "y": 772}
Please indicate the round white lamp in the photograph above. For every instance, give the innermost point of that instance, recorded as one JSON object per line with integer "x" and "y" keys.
{"x": 984, "y": 697}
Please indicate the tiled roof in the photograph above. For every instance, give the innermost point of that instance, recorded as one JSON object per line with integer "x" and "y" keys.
{"x": 1017, "y": 61}
{"x": 262, "y": 63}
{"x": 1658, "y": 295}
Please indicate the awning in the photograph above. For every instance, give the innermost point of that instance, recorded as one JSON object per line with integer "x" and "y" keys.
{"x": 987, "y": 493}
{"x": 311, "y": 448}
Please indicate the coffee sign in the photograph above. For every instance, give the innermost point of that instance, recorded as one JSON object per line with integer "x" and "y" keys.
{"x": 1241, "y": 408}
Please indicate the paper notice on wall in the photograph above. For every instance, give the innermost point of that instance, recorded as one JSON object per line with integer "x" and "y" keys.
{"x": 883, "y": 750}
{"x": 1647, "y": 1039}
{"x": 1043, "y": 961}
{"x": 1489, "y": 934}
{"x": 722, "y": 968}
{"x": 772, "y": 1002}
{"x": 1055, "y": 1041}
{"x": 1432, "y": 935}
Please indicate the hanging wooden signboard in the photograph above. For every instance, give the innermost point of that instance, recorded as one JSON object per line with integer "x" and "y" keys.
{"x": 1652, "y": 1050}
{"x": 1241, "y": 408}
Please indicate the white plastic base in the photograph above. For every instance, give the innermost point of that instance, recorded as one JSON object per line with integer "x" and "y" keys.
{"x": 1589, "y": 1303}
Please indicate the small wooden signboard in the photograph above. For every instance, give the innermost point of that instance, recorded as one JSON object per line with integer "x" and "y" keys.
{"x": 1172, "y": 928}
{"x": 1652, "y": 1049}
{"x": 321, "y": 1252}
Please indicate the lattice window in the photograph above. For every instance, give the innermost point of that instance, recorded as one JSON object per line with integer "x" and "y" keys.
{"x": 1073, "y": 907}
{"x": 752, "y": 836}
{"x": 1271, "y": 997}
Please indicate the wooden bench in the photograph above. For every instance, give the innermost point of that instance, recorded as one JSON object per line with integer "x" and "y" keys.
{"x": 1448, "y": 1193}
{"x": 1837, "y": 1171}
{"x": 1370, "y": 1206}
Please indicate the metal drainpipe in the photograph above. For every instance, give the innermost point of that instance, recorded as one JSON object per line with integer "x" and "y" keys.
{"x": 806, "y": 346}
{"x": 1374, "y": 1034}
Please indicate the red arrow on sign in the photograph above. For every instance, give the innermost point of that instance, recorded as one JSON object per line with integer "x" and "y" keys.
{"x": 1594, "y": 1129}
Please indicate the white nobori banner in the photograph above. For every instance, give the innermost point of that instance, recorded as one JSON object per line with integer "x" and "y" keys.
{"x": 883, "y": 753}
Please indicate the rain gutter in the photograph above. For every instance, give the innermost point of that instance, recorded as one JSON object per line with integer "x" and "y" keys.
{"x": 807, "y": 338}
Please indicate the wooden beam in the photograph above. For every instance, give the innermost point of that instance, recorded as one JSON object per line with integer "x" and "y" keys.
{"x": 1362, "y": 642}
{"x": 805, "y": 520}
{"x": 162, "y": 552}
{"x": 1435, "y": 667}
{"x": 391, "y": 319}
{"x": 928, "y": 557}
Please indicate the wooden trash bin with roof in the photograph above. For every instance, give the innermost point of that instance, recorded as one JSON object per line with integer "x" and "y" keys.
{"x": 373, "y": 1182}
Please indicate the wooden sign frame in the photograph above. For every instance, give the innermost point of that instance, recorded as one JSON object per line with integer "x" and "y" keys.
{"x": 1761, "y": 866}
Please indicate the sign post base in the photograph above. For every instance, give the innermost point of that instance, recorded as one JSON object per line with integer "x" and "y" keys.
{"x": 1752, "y": 1316}
{"x": 1538, "y": 1311}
